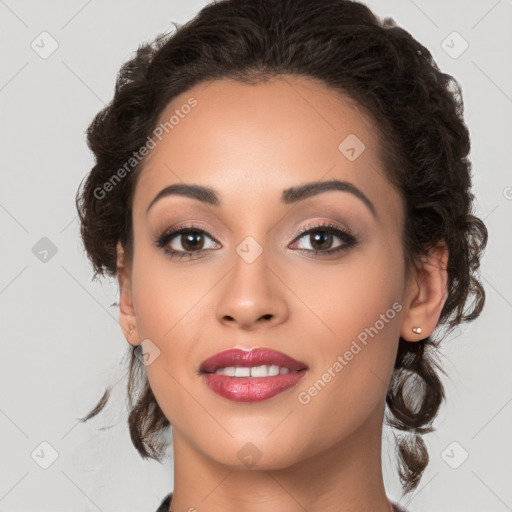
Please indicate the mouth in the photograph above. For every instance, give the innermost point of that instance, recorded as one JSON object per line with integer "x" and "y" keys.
{"x": 250, "y": 376}
{"x": 254, "y": 363}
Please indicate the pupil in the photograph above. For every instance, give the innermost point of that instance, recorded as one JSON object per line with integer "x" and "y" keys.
{"x": 318, "y": 241}
{"x": 192, "y": 240}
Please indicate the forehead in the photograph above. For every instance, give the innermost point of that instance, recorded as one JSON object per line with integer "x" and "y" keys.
{"x": 251, "y": 141}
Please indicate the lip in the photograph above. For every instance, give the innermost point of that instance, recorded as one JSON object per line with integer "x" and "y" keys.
{"x": 255, "y": 357}
{"x": 251, "y": 389}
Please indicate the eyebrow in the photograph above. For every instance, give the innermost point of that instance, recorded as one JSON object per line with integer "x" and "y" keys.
{"x": 291, "y": 195}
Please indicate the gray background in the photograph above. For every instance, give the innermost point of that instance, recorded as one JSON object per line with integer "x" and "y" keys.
{"x": 61, "y": 343}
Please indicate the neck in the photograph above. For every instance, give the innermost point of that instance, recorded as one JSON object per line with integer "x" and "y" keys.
{"x": 346, "y": 477}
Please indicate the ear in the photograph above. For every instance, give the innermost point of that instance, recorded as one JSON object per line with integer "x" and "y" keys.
{"x": 426, "y": 294}
{"x": 127, "y": 319}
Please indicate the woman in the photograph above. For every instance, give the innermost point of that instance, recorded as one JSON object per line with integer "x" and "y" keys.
{"x": 283, "y": 191}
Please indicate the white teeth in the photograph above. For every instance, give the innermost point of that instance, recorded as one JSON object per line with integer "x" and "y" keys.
{"x": 273, "y": 370}
{"x": 242, "y": 372}
{"x": 254, "y": 371}
{"x": 259, "y": 371}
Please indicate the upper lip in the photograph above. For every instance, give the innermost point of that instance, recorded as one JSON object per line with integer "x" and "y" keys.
{"x": 255, "y": 357}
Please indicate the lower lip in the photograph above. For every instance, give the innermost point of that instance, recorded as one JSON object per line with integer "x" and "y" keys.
{"x": 251, "y": 389}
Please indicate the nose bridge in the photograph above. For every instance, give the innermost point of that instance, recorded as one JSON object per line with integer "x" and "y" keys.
{"x": 251, "y": 294}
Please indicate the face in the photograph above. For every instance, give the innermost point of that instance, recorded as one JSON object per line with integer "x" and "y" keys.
{"x": 319, "y": 277}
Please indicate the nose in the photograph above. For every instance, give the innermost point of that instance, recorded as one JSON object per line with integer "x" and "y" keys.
{"x": 252, "y": 296}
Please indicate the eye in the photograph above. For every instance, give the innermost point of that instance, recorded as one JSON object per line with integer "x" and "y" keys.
{"x": 321, "y": 239}
{"x": 185, "y": 240}
{"x": 191, "y": 241}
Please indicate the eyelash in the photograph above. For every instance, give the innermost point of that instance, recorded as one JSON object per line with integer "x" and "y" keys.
{"x": 346, "y": 237}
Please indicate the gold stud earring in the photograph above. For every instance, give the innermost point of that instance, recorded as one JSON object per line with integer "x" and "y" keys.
{"x": 416, "y": 330}
{"x": 130, "y": 332}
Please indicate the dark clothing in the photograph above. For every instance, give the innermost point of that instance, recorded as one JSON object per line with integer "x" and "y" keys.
{"x": 164, "y": 506}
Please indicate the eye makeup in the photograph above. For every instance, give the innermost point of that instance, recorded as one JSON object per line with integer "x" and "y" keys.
{"x": 318, "y": 233}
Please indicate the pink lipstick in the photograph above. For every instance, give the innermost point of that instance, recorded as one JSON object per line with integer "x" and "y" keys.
{"x": 250, "y": 376}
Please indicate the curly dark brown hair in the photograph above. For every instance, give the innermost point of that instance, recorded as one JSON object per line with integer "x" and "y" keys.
{"x": 424, "y": 147}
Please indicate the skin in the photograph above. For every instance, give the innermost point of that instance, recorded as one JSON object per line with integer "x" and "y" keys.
{"x": 249, "y": 143}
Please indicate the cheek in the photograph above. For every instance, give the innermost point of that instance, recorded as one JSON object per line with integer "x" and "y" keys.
{"x": 346, "y": 298}
{"x": 164, "y": 293}
{"x": 358, "y": 314}
{"x": 168, "y": 307}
